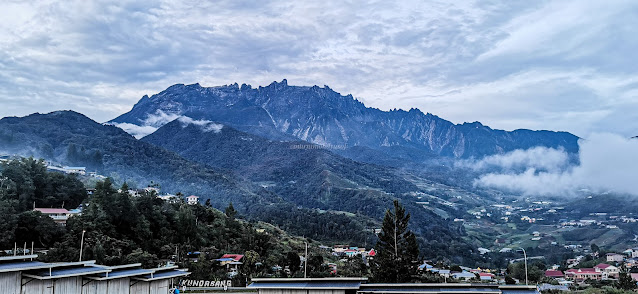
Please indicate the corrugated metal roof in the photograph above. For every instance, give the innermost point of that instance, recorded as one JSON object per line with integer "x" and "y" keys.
{"x": 519, "y": 291}
{"x": 22, "y": 266}
{"x": 307, "y": 285}
{"x": 123, "y": 273}
{"x": 51, "y": 210}
{"x": 160, "y": 275}
{"x": 67, "y": 272}
{"x": 18, "y": 257}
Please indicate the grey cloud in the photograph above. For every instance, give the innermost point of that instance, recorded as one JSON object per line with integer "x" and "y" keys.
{"x": 464, "y": 61}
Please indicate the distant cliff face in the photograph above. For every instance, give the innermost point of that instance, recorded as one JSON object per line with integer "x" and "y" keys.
{"x": 322, "y": 116}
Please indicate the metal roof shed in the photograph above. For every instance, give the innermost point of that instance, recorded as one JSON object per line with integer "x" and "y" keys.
{"x": 59, "y": 277}
{"x": 11, "y": 268}
{"x": 307, "y": 285}
{"x": 157, "y": 281}
{"x": 117, "y": 281}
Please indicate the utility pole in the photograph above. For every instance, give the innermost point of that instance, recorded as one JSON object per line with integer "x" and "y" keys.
{"x": 305, "y": 263}
{"x": 82, "y": 244}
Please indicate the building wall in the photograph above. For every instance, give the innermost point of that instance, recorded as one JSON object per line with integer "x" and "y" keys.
{"x": 68, "y": 285}
{"x": 119, "y": 286}
{"x": 37, "y": 286}
{"x": 140, "y": 288}
{"x": 159, "y": 287}
{"x": 94, "y": 287}
{"x": 10, "y": 283}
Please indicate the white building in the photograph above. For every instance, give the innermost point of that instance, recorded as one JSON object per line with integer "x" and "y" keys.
{"x": 615, "y": 257}
{"x": 192, "y": 199}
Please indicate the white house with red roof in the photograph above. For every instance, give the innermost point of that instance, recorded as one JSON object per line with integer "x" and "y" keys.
{"x": 232, "y": 263}
{"x": 486, "y": 276}
{"x": 581, "y": 274}
{"x": 608, "y": 271}
{"x": 59, "y": 215}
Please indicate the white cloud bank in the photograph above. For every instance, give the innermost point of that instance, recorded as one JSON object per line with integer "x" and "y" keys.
{"x": 608, "y": 162}
{"x": 160, "y": 118}
{"x": 541, "y": 158}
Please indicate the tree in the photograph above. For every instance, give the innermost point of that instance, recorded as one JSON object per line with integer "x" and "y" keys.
{"x": 293, "y": 261}
{"x": 594, "y": 248}
{"x": 397, "y": 249}
{"x": 251, "y": 257}
{"x": 625, "y": 281}
{"x": 230, "y": 211}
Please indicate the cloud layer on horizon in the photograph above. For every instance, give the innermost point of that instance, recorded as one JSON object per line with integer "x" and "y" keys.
{"x": 561, "y": 65}
{"x": 607, "y": 162}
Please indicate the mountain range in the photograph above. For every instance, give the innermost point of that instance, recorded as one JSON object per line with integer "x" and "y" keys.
{"x": 322, "y": 116}
{"x": 307, "y": 159}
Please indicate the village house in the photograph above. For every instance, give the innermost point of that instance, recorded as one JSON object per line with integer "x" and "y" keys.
{"x": 486, "y": 276}
{"x": 59, "y": 215}
{"x": 192, "y": 200}
{"x": 554, "y": 274}
{"x": 425, "y": 266}
{"x": 170, "y": 198}
{"x": 463, "y": 276}
{"x": 608, "y": 271}
{"x": 582, "y": 274}
{"x": 80, "y": 170}
{"x": 615, "y": 257}
{"x": 232, "y": 263}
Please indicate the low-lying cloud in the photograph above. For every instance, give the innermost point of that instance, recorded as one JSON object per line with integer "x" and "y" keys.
{"x": 155, "y": 121}
{"x": 135, "y": 130}
{"x": 206, "y": 125}
{"x": 607, "y": 162}
{"x": 540, "y": 158}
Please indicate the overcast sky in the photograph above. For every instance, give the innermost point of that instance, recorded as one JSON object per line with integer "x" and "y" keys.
{"x": 510, "y": 64}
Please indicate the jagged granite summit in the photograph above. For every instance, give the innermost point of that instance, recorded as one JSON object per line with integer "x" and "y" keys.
{"x": 322, "y": 116}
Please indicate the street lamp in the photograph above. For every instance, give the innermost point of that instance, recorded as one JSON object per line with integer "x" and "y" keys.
{"x": 305, "y": 263}
{"x": 82, "y": 244}
{"x": 525, "y": 255}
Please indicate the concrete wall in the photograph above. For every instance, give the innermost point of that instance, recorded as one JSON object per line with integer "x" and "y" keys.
{"x": 10, "y": 283}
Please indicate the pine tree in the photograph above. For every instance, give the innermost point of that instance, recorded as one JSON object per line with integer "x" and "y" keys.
{"x": 397, "y": 249}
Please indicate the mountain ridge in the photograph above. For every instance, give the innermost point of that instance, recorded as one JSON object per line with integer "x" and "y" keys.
{"x": 324, "y": 117}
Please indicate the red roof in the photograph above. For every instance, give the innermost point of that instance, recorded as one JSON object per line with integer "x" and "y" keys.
{"x": 235, "y": 257}
{"x": 602, "y": 266}
{"x": 486, "y": 275}
{"x": 51, "y": 210}
{"x": 582, "y": 270}
{"x": 372, "y": 252}
{"x": 553, "y": 273}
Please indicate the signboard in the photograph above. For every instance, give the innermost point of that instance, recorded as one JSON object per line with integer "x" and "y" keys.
{"x": 206, "y": 284}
